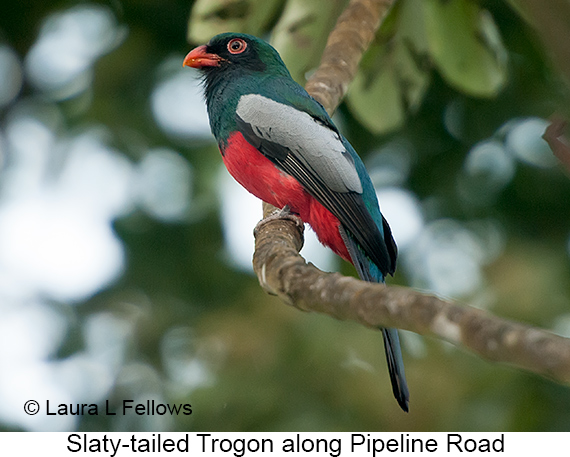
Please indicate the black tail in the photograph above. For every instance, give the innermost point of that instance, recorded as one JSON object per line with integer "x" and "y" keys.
{"x": 396, "y": 367}
{"x": 369, "y": 272}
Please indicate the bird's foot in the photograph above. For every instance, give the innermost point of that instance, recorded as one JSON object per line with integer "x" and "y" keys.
{"x": 281, "y": 214}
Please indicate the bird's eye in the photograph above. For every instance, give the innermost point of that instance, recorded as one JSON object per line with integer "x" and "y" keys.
{"x": 237, "y": 46}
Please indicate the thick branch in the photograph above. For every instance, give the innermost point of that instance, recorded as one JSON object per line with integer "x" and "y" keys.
{"x": 283, "y": 272}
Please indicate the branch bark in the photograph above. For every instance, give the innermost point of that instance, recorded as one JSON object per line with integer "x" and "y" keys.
{"x": 283, "y": 272}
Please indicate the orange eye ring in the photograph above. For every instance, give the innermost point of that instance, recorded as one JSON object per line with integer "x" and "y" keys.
{"x": 236, "y": 46}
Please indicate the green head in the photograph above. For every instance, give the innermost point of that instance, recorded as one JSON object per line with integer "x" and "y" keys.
{"x": 231, "y": 53}
{"x": 233, "y": 64}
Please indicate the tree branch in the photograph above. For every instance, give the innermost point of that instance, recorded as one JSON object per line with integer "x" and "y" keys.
{"x": 283, "y": 272}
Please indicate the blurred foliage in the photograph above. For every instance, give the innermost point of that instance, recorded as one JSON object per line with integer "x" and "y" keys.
{"x": 441, "y": 78}
{"x": 466, "y": 46}
{"x": 456, "y": 37}
{"x": 395, "y": 73}
{"x": 301, "y": 33}
{"x": 210, "y": 17}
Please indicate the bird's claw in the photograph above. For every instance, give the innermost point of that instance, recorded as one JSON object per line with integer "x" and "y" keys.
{"x": 281, "y": 214}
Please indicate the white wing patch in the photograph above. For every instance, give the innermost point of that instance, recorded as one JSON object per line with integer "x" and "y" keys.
{"x": 316, "y": 145}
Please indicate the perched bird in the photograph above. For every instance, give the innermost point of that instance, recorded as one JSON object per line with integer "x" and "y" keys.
{"x": 281, "y": 145}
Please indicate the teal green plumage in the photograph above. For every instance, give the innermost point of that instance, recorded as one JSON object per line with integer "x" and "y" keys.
{"x": 281, "y": 145}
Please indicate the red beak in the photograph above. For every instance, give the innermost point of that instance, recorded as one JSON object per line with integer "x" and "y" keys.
{"x": 198, "y": 58}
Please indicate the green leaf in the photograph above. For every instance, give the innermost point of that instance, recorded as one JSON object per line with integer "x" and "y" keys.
{"x": 301, "y": 34}
{"x": 465, "y": 46}
{"x": 377, "y": 104}
{"x": 210, "y": 17}
{"x": 394, "y": 74}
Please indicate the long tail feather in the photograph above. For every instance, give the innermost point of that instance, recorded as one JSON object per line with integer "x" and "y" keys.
{"x": 396, "y": 367}
{"x": 391, "y": 339}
